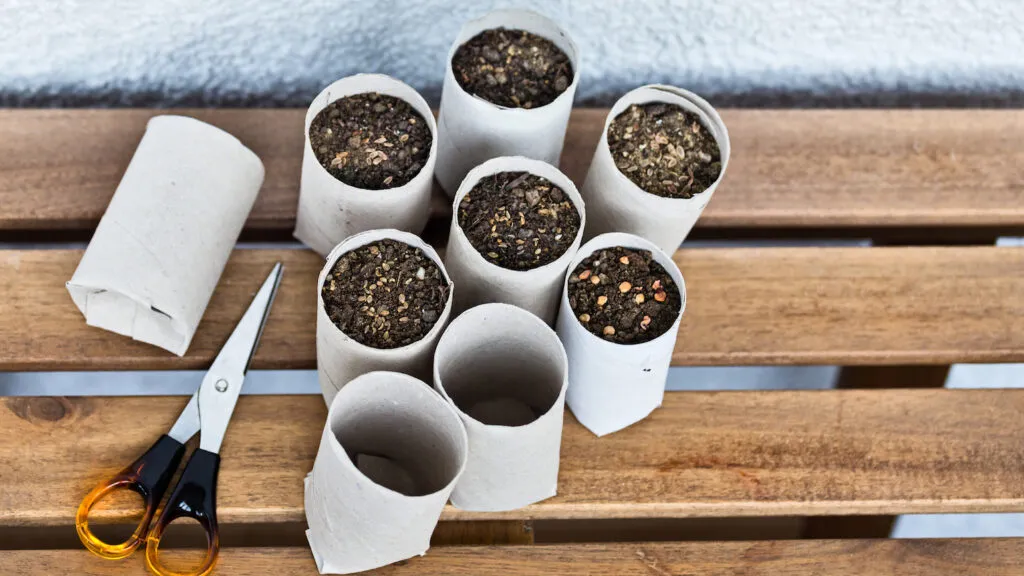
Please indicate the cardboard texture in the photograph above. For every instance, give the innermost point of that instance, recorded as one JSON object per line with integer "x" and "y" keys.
{"x": 614, "y": 385}
{"x": 160, "y": 248}
{"x": 330, "y": 210}
{"x": 473, "y": 130}
{"x": 481, "y": 281}
{"x": 616, "y": 204}
{"x": 403, "y": 435}
{"x": 340, "y": 358}
{"x": 506, "y": 373}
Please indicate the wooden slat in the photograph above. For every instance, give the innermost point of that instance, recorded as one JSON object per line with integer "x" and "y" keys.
{"x": 703, "y": 454}
{"x": 744, "y": 306}
{"x": 799, "y": 168}
{"x": 981, "y": 557}
{"x": 893, "y": 376}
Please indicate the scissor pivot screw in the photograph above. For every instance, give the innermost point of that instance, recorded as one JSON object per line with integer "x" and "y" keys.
{"x": 221, "y": 385}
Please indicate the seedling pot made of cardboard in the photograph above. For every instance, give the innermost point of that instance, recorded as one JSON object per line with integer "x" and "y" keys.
{"x": 391, "y": 452}
{"x": 340, "y": 358}
{"x": 481, "y": 281}
{"x": 505, "y": 373}
{"x": 612, "y": 385}
{"x": 616, "y": 204}
{"x": 473, "y": 130}
{"x": 330, "y": 210}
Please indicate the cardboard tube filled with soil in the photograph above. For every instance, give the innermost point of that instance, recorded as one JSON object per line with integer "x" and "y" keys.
{"x": 506, "y": 373}
{"x": 661, "y": 156}
{"x": 367, "y": 162}
{"x": 160, "y": 248}
{"x": 383, "y": 298}
{"x": 517, "y": 223}
{"x": 622, "y": 302}
{"x": 390, "y": 454}
{"x": 509, "y": 83}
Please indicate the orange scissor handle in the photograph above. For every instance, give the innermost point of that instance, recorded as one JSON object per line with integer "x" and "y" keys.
{"x": 194, "y": 497}
{"x": 149, "y": 477}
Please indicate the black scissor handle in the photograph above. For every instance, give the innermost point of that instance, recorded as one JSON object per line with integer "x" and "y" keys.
{"x": 194, "y": 497}
{"x": 149, "y": 477}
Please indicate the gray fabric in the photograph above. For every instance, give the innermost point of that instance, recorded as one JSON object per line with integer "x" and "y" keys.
{"x": 264, "y": 52}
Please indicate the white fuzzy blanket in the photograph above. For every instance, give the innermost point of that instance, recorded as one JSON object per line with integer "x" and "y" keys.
{"x": 270, "y": 52}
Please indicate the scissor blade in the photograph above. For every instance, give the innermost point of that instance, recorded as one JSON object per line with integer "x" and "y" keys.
{"x": 187, "y": 424}
{"x": 223, "y": 382}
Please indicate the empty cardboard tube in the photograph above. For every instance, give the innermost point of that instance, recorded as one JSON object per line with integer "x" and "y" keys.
{"x": 612, "y": 385}
{"x": 481, "y": 281}
{"x": 160, "y": 248}
{"x": 616, "y": 204}
{"x": 340, "y": 358}
{"x": 330, "y": 210}
{"x": 472, "y": 130}
{"x": 391, "y": 452}
{"x": 505, "y": 372}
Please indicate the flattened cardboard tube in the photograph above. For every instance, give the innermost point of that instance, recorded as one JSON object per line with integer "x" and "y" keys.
{"x": 160, "y": 248}
{"x": 339, "y": 358}
{"x": 506, "y": 374}
{"x": 616, "y": 204}
{"x": 473, "y": 130}
{"x": 611, "y": 385}
{"x": 330, "y": 210}
{"x": 481, "y": 281}
{"x": 391, "y": 453}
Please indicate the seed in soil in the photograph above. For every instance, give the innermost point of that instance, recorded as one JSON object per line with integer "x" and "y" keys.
{"x": 665, "y": 150}
{"x": 512, "y": 68}
{"x": 518, "y": 220}
{"x": 644, "y": 305}
{"x": 371, "y": 141}
{"x": 385, "y": 295}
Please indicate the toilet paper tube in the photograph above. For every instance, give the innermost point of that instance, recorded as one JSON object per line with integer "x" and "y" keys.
{"x": 505, "y": 372}
{"x": 383, "y": 428}
{"x": 616, "y": 204}
{"x": 473, "y": 130}
{"x": 481, "y": 281}
{"x": 340, "y": 358}
{"x": 160, "y": 248}
{"x": 330, "y": 210}
{"x": 614, "y": 385}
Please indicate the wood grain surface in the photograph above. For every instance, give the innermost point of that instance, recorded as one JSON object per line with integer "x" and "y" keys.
{"x": 798, "y": 168}
{"x": 703, "y": 454}
{"x": 981, "y": 557}
{"x": 744, "y": 306}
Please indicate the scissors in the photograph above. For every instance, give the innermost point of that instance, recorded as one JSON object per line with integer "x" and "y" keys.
{"x": 208, "y": 411}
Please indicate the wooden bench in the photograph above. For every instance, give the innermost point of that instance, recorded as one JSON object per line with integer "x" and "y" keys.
{"x": 854, "y": 306}
{"x": 826, "y": 172}
{"x": 1002, "y": 557}
{"x": 900, "y": 314}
